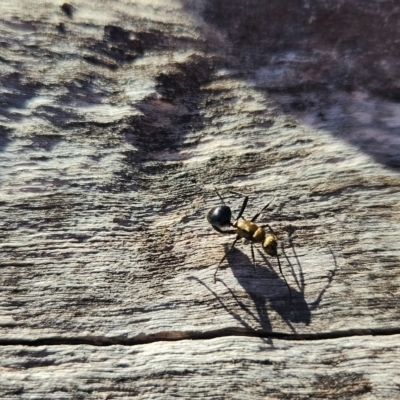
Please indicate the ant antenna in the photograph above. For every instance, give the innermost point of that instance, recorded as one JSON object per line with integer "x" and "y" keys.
{"x": 220, "y": 197}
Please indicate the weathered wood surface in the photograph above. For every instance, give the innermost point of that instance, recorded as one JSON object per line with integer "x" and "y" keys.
{"x": 118, "y": 119}
{"x": 237, "y": 368}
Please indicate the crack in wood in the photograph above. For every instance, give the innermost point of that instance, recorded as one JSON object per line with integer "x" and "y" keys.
{"x": 178, "y": 336}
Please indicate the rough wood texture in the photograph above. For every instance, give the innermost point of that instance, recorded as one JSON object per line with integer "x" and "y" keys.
{"x": 237, "y": 368}
{"x": 118, "y": 119}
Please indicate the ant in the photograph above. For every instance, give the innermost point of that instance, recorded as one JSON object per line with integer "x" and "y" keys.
{"x": 220, "y": 217}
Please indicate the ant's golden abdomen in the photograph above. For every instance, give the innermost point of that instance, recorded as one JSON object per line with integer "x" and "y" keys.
{"x": 250, "y": 231}
{"x": 270, "y": 245}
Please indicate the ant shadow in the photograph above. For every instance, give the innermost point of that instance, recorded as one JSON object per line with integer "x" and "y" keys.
{"x": 267, "y": 289}
{"x": 300, "y": 279}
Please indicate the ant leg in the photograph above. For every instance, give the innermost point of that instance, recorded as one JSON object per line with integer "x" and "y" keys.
{"x": 223, "y": 258}
{"x": 257, "y": 215}
{"x": 254, "y": 259}
{"x": 280, "y": 269}
{"x": 279, "y": 265}
{"x": 270, "y": 229}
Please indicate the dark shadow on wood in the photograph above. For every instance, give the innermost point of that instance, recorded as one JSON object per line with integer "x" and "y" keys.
{"x": 309, "y": 59}
{"x": 234, "y": 314}
{"x": 300, "y": 281}
{"x": 267, "y": 289}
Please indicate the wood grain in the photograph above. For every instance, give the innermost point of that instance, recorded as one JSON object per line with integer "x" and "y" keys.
{"x": 118, "y": 121}
{"x": 236, "y": 368}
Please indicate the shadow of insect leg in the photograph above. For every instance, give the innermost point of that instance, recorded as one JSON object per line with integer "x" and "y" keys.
{"x": 283, "y": 276}
{"x": 223, "y": 258}
{"x": 254, "y": 258}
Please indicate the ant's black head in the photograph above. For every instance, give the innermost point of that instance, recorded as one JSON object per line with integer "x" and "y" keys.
{"x": 220, "y": 216}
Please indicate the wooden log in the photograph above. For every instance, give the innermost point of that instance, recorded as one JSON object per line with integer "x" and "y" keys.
{"x": 229, "y": 367}
{"x": 117, "y": 123}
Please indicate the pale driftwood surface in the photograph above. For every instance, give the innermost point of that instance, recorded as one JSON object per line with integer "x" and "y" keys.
{"x": 117, "y": 121}
{"x": 237, "y": 368}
